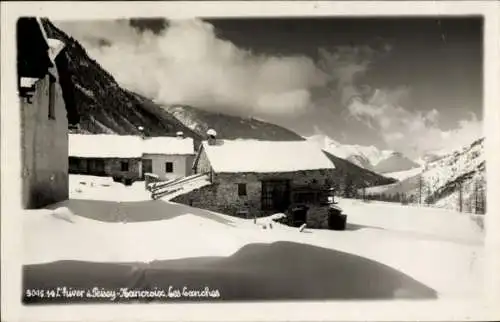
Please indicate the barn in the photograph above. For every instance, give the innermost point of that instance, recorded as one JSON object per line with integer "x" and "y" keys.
{"x": 256, "y": 178}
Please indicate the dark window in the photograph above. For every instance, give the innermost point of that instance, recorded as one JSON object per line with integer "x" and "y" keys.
{"x": 73, "y": 165}
{"x": 305, "y": 197}
{"x": 169, "y": 167}
{"x": 124, "y": 165}
{"x": 52, "y": 89}
{"x": 242, "y": 189}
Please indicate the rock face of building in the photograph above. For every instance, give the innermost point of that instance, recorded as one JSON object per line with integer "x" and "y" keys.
{"x": 258, "y": 183}
{"x": 46, "y": 104}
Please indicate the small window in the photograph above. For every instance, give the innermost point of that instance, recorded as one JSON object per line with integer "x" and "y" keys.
{"x": 52, "y": 95}
{"x": 305, "y": 197}
{"x": 169, "y": 167}
{"x": 124, "y": 165}
{"x": 242, "y": 189}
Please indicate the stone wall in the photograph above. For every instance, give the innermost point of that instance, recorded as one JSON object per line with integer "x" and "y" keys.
{"x": 44, "y": 148}
{"x": 222, "y": 196}
{"x": 317, "y": 216}
{"x": 113, "y": 168}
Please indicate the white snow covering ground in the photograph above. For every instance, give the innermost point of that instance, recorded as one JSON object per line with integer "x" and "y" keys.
{"x": 440, "y": 248}
{"x": 248, "y": 155}
{"x": 104, "y": 188}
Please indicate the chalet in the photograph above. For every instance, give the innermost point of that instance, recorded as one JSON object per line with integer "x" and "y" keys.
{"x": 47, "y": 109}
{"x": 128, "y": 158}
{"x": 252, "y": 177}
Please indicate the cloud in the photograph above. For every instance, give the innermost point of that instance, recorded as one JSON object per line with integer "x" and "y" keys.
{"x": 188, "y": 64}
{"x": 413, "y": 132}
{"x": 385, "y": 111}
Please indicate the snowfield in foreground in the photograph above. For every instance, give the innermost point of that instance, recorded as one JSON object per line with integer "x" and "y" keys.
{"x": 439, "y": 248}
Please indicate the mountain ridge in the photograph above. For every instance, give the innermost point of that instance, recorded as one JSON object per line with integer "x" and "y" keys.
{"x": 368, "y": 157}
{"x": 453, "y": 181}
{"x": 105, "y": 107}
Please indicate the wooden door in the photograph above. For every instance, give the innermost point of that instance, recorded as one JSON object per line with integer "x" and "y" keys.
{"x": 275, "y": 195}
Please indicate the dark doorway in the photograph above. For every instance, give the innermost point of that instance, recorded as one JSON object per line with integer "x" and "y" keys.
{"x": 275, "y": 195}
{"x": 147, "y": 166}
{"x": 299, "y": 215}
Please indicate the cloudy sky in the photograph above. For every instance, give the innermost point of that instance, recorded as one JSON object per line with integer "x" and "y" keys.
{"x": 412, "y": 85}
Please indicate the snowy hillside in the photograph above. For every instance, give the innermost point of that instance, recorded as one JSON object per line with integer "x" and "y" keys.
{"x": 368, "y": 157}
{"x": 229, "y": 126}
{"x": 455, "y": 181}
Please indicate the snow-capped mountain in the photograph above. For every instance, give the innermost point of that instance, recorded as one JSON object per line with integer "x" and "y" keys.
{"x": 454, "y": 181}
{"x": 395, "y": 162}
{"x": 368, "y": 157}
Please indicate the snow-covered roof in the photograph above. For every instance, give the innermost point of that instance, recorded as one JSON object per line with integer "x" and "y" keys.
{"x": 168, "y": 145}
{"x": 244, "y": 155}
{"x": 126, "y": 146}
{"x": 104, "y": 146}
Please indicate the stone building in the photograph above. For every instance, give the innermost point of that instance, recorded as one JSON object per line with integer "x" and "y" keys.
{"x": 252, "y": 178}
{"x": 128, "y": 158}
{"x": 47, "y": 109}
{"x": 117, "y": 156}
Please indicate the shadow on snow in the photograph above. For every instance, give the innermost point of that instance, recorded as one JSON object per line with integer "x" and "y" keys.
{"x": 277, "y": 271}
{"x": 134, "y": 211}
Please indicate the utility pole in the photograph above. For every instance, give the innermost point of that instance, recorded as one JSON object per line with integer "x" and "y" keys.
{"x": 420, "y": 189}
{"x": 476, "y": 197}
{"x": 460, "y": 197}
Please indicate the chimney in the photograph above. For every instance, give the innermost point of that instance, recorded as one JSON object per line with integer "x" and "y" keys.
{"x": 211, "y": 136}
{"x": 180, "y": 134}
{"x": 141, "y": 130}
